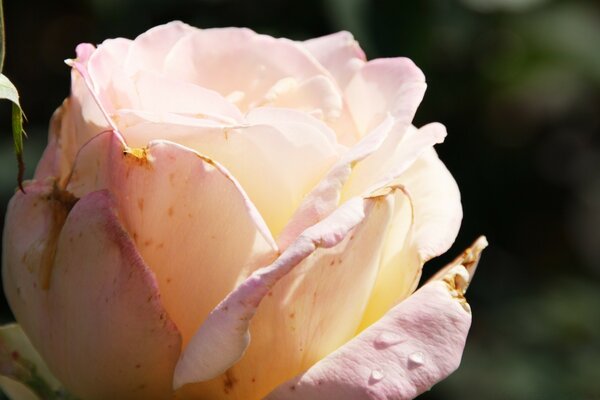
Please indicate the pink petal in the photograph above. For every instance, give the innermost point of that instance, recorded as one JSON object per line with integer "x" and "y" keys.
{"x": 277, "y": 156}
{"x": 340, "y": 272}
{"x": 230, "y": 60}
{"x": 339, "y": 53}
{"x": 59, "y": 154}
{"x": 390, "y": 85}
{"x": 190, "y": 220}
{"x": 396, "y": 155}
{"x": 416, "y": 344}
{"x": 149, "y": 50}
{"x": 75, "y": 281}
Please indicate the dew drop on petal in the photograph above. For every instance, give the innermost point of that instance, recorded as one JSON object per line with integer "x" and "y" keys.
{"x": 386, "y": 339}
{"x": 416, "y": 360}
{"x": 376, "y": 375}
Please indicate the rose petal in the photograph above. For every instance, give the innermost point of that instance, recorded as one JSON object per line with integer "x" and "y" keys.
{"x": 74, "y": 296}
{"x": 389, "y": 85}
{"x": 416, "y": 344}
{"x": 433, "y": 204}
{"x": 339, "y": 53}
{"x": 161, "y": 94}
{"x": 396, "y": 155}
{"x": 317, "y": 96}
{"x": 190, "y": 220}
{"x": 325, "y": 197}
{"x": 59, "y": 154}
{"x": 149, "y": 50}
{"x": 230, "y": 60}
{"x": 325, "y": 279}
{"x": 278, "y": 156}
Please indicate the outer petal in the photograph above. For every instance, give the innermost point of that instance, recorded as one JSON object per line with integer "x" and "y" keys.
{"x": 416, "y": 344}
{"x": 76, "y": 287}
{"x": 310, "y": 312}
{"x": 190, "y": 220}
{"x": 390, "y": 85}
{"x": 62, "y": 147}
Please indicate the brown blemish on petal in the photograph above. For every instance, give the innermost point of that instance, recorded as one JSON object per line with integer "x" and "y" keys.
{"x": 229, "y": 381}
{"x": 140, "y": 204}
{"x": 170, "y": 211}
{"x": 61, "y": 202}
{"x": 140, "y": 153}
{"x": 458, "y": 274}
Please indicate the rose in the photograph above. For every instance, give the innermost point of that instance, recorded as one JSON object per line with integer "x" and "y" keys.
{"x": 203, "y": 185}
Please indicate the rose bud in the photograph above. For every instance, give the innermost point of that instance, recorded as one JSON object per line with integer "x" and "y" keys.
{"x": 226, "y": 215}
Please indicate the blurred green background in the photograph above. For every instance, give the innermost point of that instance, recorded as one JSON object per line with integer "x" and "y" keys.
{"x": 516, "y": 82}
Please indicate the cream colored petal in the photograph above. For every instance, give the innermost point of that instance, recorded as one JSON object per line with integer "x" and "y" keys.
{"x": 158, "y": 94}
{"x": 325, "y": 278}
{"x": 432, "y": 203}
{"x": 318, "y": 96}
{"x": 325, "y": 197}
{"x": 277, "y": 157}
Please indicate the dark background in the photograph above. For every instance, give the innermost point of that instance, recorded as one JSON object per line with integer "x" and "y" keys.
{"x": 516, "y": 82}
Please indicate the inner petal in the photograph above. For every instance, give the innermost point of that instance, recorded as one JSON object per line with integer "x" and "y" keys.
{"x": 278, "y": 156}
{"x": 234, "y": 59}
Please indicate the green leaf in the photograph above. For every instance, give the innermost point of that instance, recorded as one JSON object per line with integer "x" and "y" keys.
{"x": 9, "y": 91}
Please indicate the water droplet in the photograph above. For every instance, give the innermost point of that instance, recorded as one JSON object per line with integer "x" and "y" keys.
{"x": 386, "y": 339}
{"x": 376, "y": 376}
{"x": 416, "y": 360}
